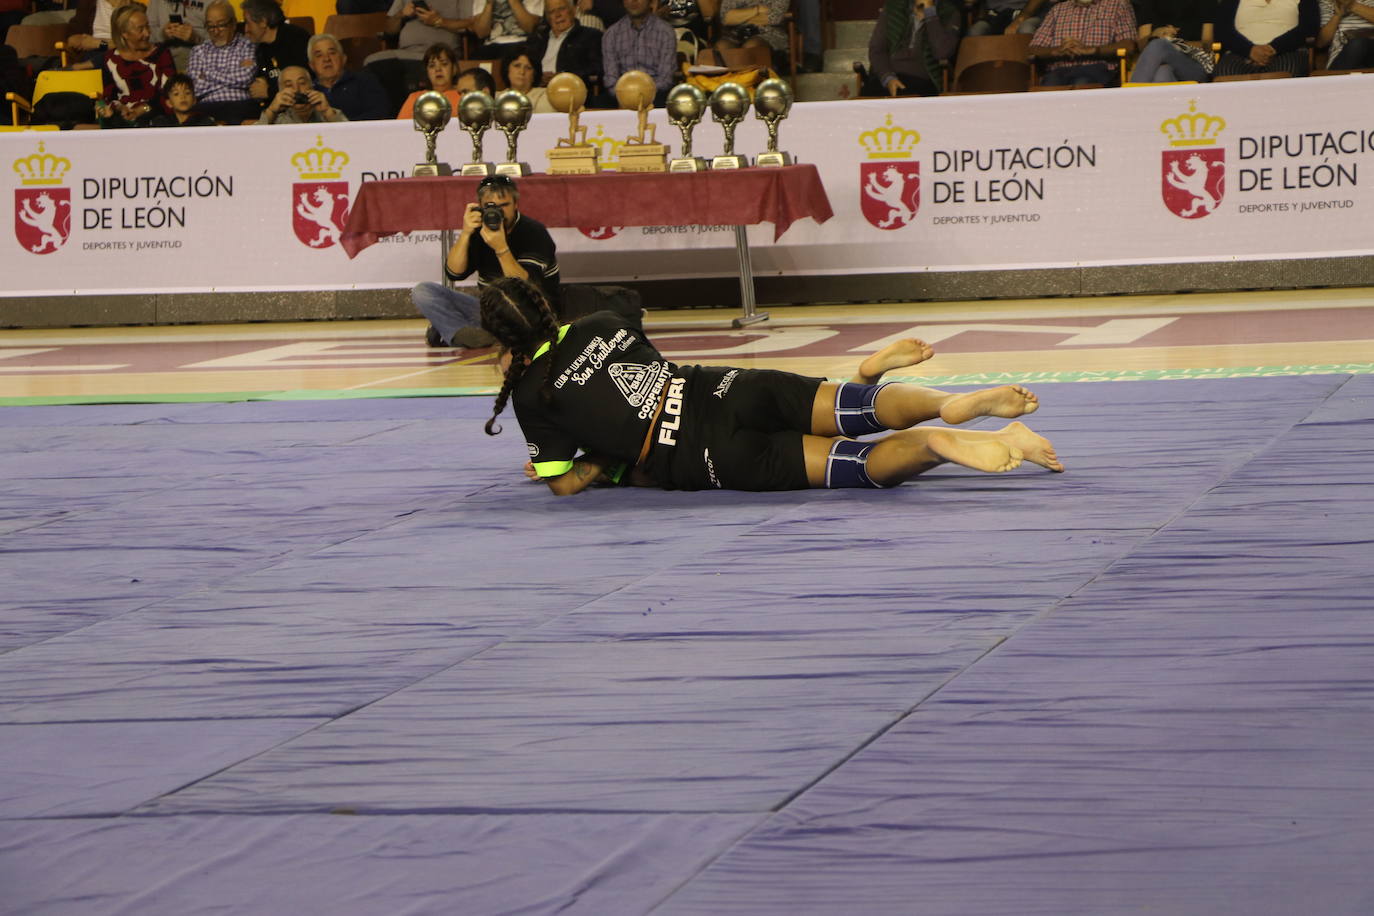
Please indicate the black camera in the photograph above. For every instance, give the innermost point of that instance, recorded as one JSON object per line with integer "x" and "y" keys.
{"x": 492, "y": 217}
{"x": 420, "y": 5}
{"x": 175, "y": 18}
{"x": 301, "y": 99}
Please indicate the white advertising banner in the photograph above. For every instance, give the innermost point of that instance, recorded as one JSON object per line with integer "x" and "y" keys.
{"x": 1234, "y": 171}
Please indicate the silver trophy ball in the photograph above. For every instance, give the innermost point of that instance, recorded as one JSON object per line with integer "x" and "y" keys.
{"x": 686, "y": 105}
{"x": 513, "y": 109}
{"x": 474, "y": 111}
{"x": 432, "y": 112}
{"x": 772, "y": 100}
{"x": 729, "y": 102}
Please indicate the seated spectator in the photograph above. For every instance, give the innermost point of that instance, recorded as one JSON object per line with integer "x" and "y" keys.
{"x": 1166, "y": 28}
{"x": 441, "y": 72}
{"x": 279, "y": 44}
{"x": 179, "y": 97}
{"x": 357, "y": 95}
{"x": 503, "y": 24}
{"x": 90, "y": 33}
{"x": 178, "y": 24}
{"x": 1080, "y": 38}
{"x": 1007, "y": 17}
{"x": 599, "y": 14}
{"x": 222, "y": 68}
{"x": 693, "y": 15}
{"x": 419, "y": 26}
{"x": 753, "y": 24}
{"x": 521, "y": 73}
{"x": 135, "y": 71}
{"x": 1266, "y": 36}
{"x": 1348, "y": 33}
{"x": 298, "y": 101}
{"x": 565, "y": 45}
{"x": 475, "y": 79}
{"x": 909, "y": 45}
{"x": 639, "y": 41}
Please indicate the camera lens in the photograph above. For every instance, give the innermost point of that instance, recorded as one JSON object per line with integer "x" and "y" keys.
{"x": 302, "y": 98}
{"x": 492, "y": 217}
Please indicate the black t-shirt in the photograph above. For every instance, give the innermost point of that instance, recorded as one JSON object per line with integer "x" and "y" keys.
{"x": 288, "y": 50}
{"x": 607, "y": 382}
{"x": 1187, "y": 15}
{"x": 532, "y": 246}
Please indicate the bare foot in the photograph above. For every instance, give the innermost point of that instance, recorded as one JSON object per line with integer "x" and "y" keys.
{"x": 1003, "y": 401}
{"x": 982, "y": 454}
{"x": 1035, "y": 447}
{"x": 897, "y": 355}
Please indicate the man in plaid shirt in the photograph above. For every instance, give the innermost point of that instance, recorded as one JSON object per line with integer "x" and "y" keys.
{"x": 640, "y": 41}
{"x": 223, "y": 67}
{"x": 1081, "y": 38}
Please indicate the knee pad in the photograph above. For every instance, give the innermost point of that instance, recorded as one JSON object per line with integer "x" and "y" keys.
{"x": 847, "y": 465}
{"x": 854, "y": 413}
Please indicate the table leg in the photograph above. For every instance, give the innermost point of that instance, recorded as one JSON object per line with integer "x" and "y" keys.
{"x": 746, "y": 282}
{"x": 445, "y": 243}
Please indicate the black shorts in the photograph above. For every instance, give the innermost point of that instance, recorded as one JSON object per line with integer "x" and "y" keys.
{"x": 738, "y": 429}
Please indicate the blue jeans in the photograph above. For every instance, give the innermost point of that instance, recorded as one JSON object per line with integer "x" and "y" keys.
{"x": 1161, "y": 62}
{"x": 447, "y": 309}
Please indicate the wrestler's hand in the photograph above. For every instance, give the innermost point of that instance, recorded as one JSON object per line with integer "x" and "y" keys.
{"x": 530, "y": 472}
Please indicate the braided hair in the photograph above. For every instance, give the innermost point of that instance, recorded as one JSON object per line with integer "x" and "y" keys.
{"x": 519, "y": 317}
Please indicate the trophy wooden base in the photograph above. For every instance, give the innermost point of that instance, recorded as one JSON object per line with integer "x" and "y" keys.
{"x": 513, "y": 169}
{"x": 431, "y": 169}
{"x": 772, "y": 159}
{"x": 478, "y": 168}
{"x": 574, "y": 160}
{"x": 694, "y": 164}
{"x": 730, "y": 162}
{"x": 643, "y": 157}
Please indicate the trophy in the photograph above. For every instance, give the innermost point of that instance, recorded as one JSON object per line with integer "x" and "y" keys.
{"x": 728, "y": 106}
{"x": 432, "y": 113}
{"x": 772, "y": 102}
{"x": 573, "y": 155}
{"x": 513, "y": 110}
{"x": 474, "y": 114}
{"x": 635, "y": 91}
{"x": 686, "y": 105}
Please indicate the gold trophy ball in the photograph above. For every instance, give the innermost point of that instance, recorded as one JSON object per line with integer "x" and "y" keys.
{"x": 566, "y": 92}
{"x": 432, "y": 111}
{"x": 729, "y": 102}
{"x": 686, "y": 103}
{"x": 512, "y": 107}
{"x": 635, "y": 90}
{"x": 474, "y": 109}
{"x": 772, "y": 98}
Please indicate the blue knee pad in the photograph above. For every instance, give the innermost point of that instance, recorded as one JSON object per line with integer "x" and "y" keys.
{"x": 854, "y": 413}
{"x": 847, "y": 465}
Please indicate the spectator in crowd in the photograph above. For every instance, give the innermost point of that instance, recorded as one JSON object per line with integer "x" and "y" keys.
{"x": 517, "y": 247}
{"x": 1080, "y": 39}
{"x": 357, "y": 95}
{"x": 599, "y": 14}
{"x": 503, "y": 24}
{"x": 419, "y": 25}
{"x": 1347, "y": 33}
{"x": 279, "y": 44}
{"x": 1166, "y": 29}
{"x": 520, "y": 72}
{"x": 753, "y": 24}
{"x": 639, "y": 41}
{"x": 135, "y": 72}
{"x": 354, "y": 7}
{"x": 1007, "y": 17}
{"x": 909, "y": 46}
{"x": 179, "y": 97}
{"x": 90, "y": 33}
{"x": 1266, "y": 36}
{"x": 441, "y": 74}
{"x": 565, "y": 45}
{"x": 178, "y": 24}
{"x": 475, "y": 79}
{"x": 222, "y": 68}
{"x": 298, "y": 101}
{"x": 694, "y": 15}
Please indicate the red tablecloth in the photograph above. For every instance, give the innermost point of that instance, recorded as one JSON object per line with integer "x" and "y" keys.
{"x": 741, "y": 197}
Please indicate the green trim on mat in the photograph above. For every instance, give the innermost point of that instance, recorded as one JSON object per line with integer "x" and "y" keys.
{"x": 989, "y": 378}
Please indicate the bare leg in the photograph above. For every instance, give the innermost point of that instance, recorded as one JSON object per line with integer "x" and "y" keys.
{"x": 901, "y": 406}
{"x": 897, "y": 355}
{"x": 907, "y": 453}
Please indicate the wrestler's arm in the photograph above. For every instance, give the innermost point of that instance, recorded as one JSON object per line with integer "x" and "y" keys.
{"x": 582, "y": 474}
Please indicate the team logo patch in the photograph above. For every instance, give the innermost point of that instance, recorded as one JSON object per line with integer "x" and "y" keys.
{"x": 319, "y": 201}
{"x": 600, "y": 233}
{"x": 43, "y": 206}
{"x": 532, "y": 449}
{"x": 890, "y": 176}
{"x": 1193, "y": 170}
{"x": 634, "y": 381}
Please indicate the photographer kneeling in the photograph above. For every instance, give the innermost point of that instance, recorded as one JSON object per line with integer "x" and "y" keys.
{"x": 496, "y": 241}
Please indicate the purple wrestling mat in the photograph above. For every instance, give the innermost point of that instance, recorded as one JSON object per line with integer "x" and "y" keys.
{"x": 340, "y": 657}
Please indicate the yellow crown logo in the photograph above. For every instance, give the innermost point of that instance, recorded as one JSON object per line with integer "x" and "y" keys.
{"x": 41, "y": 168}
{"x": 608, "y": 149}
{"x": 320, "y": 162}
{"x": 888, "y": 142}
{"x": 1195, "y": 128}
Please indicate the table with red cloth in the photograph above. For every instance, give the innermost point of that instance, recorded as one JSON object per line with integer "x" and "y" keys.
{"x": 739, "y": 198}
